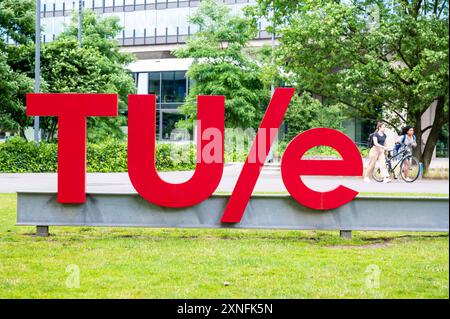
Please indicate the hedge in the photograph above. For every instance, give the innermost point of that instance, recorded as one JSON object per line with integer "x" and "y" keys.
{"x": 19, "y": 156}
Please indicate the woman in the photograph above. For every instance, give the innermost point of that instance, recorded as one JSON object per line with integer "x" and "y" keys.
{"x": 377, "y": 154}
{"x": 406, "y": 142}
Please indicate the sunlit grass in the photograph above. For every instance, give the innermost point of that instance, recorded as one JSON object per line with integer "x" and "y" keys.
{"x": 195, "y": 263}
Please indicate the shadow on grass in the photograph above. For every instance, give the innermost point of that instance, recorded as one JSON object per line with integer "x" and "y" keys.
{"x": 319, "y": 238}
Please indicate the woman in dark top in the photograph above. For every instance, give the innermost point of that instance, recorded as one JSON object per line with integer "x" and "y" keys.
{"x": 377, "y": 154}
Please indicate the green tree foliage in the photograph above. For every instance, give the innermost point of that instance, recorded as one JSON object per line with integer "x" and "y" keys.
{"x": 306, "y": 112}
{"x": 96, "y": 67}
{"x": 16, "y": 24}
{"x": 220, "y": 66}
{"x": 369, "y": 54}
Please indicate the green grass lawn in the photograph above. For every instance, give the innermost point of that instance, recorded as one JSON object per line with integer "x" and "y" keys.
{"x": 180, "y": 263}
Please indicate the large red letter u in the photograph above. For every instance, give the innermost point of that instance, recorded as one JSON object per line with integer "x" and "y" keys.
{"x": 141, "y": 153}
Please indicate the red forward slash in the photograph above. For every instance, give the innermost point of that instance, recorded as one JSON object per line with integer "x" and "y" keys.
{"x": 257, "y": 156}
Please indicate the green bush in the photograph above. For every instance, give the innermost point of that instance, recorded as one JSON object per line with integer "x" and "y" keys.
{"x": 19, "y": 156}
{"x": 319, "y": 151}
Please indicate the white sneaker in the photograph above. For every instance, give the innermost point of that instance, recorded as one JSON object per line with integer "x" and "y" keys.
{"x": 387, "y": 180}
{"x": 367, "y": 180}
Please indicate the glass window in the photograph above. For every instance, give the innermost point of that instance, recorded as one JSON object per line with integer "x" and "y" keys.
{"x": 58, "y": 25}
{"x": 172, "y": 86}
{"x": 170, "y": 120}
{"x": 168, "y": 87}
{"x": 58, "y": 5}
{"x": 88, "y": 4}
{"x": 182, "y": 21}
{"x": 180, "y": 85}
{"x": 149, "y": 21}
{"x": 154, "y": 84}
{"x": 98, "y": 3}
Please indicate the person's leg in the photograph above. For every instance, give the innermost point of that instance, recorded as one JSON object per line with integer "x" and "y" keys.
{"x": 405, "y": 168}
{"x": 382, "y": 160}
{"x": 383, "y": 169}
{"x": 372, "y": 161}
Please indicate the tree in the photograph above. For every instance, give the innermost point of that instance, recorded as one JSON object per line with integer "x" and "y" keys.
{"x": 306, "y": 112}
{"x": 221, "y": 67}
{"x": 368, "y": 54}
{"x": 16, "y": 24}
{"x": 96, "y": 67}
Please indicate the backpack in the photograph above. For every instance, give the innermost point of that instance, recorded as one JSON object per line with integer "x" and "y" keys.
{"x": 402, "y": 143}
{"x": 370, "y": 140}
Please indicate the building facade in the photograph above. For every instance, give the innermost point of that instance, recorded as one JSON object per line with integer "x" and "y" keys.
{"x": 152, "y": 30}
{"x": 145, "y": 22}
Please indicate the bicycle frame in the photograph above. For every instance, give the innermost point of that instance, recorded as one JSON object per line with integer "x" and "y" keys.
{"x": 399, "y": 158}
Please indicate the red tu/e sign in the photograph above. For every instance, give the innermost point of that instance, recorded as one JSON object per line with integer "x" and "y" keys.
{"x": 72, "y": 110}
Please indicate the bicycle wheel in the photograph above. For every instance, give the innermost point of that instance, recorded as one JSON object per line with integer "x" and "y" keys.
{"x": 377, "y": 176}
{"x": 410, "y": 169}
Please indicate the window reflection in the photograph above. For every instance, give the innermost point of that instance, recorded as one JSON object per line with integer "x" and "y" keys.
{"x": 169, "y": 86}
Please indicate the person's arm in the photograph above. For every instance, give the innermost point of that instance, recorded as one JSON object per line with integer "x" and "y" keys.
{"x": 413, "y": 142}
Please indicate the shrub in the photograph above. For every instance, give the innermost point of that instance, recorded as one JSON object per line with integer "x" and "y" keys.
{"x": 19, "y": 156}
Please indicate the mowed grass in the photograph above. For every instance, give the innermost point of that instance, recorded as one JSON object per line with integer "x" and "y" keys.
{"x": 193, "y": 263}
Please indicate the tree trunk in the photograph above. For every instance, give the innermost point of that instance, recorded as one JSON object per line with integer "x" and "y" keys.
{"x": 22, "y": 133}
{"x": 417, "y": 151}
{"x": 51, "y": 134}
{"x": 438, "y": 122}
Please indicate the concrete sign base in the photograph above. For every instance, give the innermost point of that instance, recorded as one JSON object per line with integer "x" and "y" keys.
{"x": 263, "y": 212}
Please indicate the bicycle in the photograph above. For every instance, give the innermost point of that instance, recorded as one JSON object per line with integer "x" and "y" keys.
{"x": 408, "y": 167}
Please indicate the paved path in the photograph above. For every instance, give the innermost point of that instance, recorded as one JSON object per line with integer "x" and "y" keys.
{"x": 269, "y": 181}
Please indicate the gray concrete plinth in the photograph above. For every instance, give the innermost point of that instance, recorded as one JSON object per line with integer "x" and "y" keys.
{"x": 262, "y": 212}
{"x": 42, "y": 231}
{"x": 346, "y": 234}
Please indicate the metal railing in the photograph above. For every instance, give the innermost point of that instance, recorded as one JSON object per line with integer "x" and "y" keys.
{"x": 167, "y": 38}
{"x": 122, "y": 6}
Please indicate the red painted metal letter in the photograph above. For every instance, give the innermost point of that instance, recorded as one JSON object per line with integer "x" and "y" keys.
{"x": 141, "y": 153}
{"x": 72, "y": 110}
{"x": 293, "y": 167}
{"x": 258, "y": 154}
